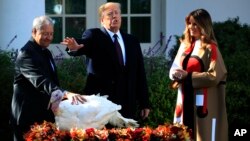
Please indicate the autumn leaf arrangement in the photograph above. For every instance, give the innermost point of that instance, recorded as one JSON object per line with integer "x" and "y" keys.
{"x": 48, "y": 131}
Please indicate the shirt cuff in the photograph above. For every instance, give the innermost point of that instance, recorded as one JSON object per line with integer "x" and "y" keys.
{"x": 71, "y": 51}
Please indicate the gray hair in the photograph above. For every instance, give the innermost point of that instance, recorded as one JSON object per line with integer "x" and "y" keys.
{"x": 40, "y": 21}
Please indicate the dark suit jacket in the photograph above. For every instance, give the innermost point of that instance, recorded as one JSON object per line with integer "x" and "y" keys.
{"x": 125, "y": 85}
{"x": 33, "y": 84}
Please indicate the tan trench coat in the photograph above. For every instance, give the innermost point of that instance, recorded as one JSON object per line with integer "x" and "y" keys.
{"x": 214, "y": 126}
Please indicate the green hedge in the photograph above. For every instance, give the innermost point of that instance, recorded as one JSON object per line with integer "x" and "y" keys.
{"x": 234, "y": 43}
{"x": 6, "y": 81}
{"x": 72, "y": 74}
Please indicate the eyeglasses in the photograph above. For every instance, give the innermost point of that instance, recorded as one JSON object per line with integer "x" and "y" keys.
{"x": 47, "y": 34}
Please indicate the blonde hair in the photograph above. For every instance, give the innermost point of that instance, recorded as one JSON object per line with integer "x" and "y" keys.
{"x": 204, "y": 22}
{"x": 104, "y": 6}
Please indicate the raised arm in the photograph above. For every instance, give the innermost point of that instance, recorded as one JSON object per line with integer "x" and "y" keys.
{"x": 71, "y": 43}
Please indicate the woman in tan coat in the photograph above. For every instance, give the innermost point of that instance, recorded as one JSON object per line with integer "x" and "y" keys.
{"x": 199, "y": 73}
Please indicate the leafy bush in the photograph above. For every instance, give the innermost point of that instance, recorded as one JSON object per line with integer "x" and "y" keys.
{"x": 162, "y": 98}
{"x": 6, "y": 77}
{"x": 234, "y": 42}
{"x": 72, "y": 74}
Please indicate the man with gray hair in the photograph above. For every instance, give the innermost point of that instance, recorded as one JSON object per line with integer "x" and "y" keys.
{"x": 36, "y": 91}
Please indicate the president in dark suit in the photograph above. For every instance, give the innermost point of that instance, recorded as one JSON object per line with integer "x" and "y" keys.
{"x": 35, "y": 81}
{"x": 115, "y": 66}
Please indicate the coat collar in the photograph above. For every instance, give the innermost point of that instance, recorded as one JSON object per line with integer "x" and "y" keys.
{"x": 36, "y": 46}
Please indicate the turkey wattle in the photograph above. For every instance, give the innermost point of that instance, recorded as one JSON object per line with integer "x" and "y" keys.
{"x": 95, "y": 113}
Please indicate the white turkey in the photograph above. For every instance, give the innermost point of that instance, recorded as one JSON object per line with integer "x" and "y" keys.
{"x": 95, "y": 113}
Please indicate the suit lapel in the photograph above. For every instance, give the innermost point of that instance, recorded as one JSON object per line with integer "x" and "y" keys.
{"x": 107, "y": 36}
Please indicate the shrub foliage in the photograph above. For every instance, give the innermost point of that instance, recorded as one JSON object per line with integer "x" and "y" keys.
{"x": 234, "y": 42}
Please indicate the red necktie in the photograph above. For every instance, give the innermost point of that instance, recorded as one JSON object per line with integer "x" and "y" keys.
{"x": 118, "y": 50}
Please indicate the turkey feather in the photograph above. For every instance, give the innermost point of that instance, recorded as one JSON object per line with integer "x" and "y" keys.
{"x": 96, "y": 112}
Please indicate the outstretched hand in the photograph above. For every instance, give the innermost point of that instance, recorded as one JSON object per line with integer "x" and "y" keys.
{"x": 58, "y": 96}
{"x": 71, "y": 43}
{"x": 76, "y": 98}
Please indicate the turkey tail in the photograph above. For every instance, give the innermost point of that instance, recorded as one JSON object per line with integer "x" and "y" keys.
{"x": 119, "y": 121}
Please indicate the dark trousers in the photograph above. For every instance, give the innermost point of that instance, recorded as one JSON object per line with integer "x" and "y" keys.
{"x": 19, "y": 132}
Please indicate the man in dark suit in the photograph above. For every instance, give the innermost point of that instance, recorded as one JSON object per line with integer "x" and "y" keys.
{"x": 120, "y": 75}
{"x": 36, "y": 87}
